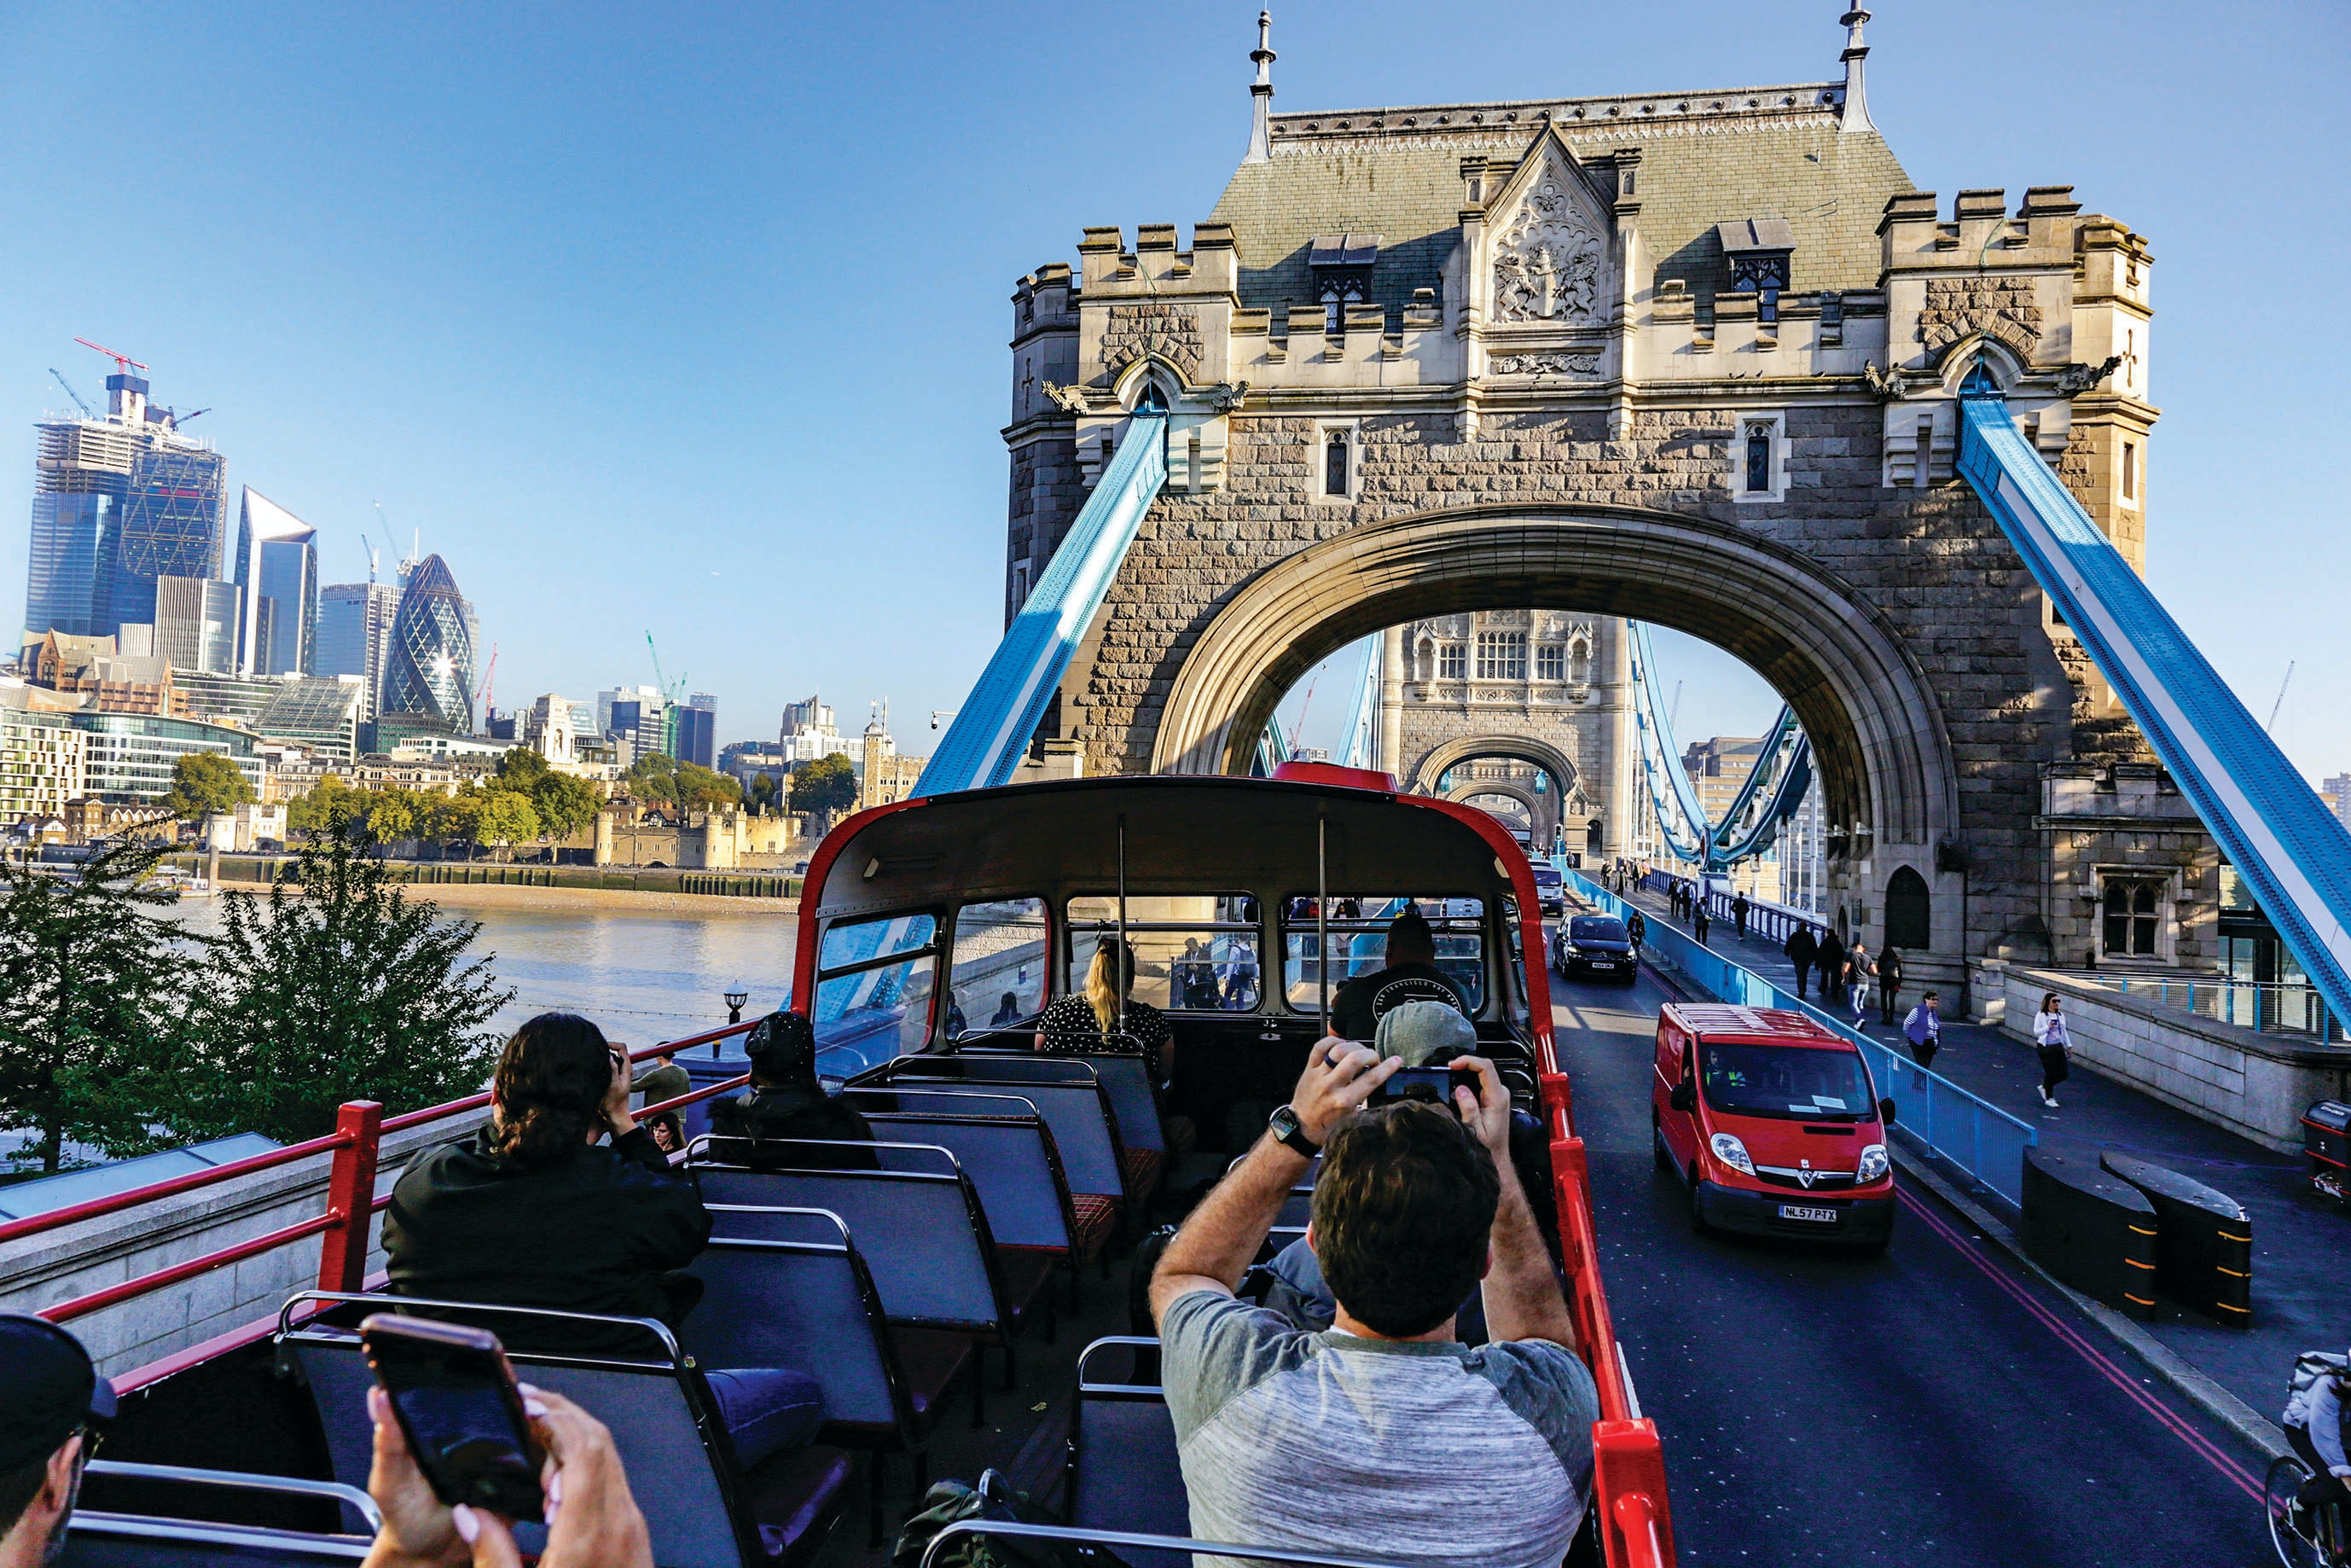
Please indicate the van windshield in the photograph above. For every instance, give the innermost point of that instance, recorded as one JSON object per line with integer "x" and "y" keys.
{"x": 1787, "y": 1081}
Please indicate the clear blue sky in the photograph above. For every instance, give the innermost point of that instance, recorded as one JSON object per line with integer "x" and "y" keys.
{"x": 692, "y": 318}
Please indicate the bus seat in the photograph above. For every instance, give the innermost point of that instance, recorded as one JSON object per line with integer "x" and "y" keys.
{"x": 1017, "y": 1172}
{"x": 95, "y": 1540}
{"x": 1078, "y": 1111}
{"x": 1124, "y": 1473}
{"x": 663, "y": 1421}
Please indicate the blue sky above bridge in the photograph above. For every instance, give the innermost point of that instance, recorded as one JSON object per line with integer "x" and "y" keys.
{"x": 693, "y": 319}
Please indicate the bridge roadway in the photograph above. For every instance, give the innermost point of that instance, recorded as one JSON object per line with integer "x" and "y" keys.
{"x": 1934, "y": 1405}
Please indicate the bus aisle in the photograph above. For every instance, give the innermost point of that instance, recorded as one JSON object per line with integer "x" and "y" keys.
{"x": 1927, "y": 1405}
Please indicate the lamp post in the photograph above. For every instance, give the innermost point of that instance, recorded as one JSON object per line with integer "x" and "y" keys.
{"x": 2089, "y": 898}
{"x": 735, "y": 998}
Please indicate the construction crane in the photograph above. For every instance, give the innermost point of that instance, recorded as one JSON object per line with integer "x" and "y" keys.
{"x": 122, "y": 363}
{"x": 2281, "y": 696}
{"x": 670, "y": 690}
{"x": 179, "y": 419}
{"x": 71, "y": 393}
{"x": 482, "y": 692}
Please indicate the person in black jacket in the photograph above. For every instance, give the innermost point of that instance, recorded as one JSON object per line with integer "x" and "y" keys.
{"x": 1799, "y": 950}
{"x": 538, "y": 1210}
{"x": 788, "y": 1100}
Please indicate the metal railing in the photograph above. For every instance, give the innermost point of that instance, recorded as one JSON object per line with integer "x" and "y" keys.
{"x": 2266, "y": 1005}
{"x": 346, "y": 1224}
{"x": 1964, "y": 1129}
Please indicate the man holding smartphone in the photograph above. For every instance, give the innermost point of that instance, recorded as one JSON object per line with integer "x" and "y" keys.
{"x": 1382, "y": 1436}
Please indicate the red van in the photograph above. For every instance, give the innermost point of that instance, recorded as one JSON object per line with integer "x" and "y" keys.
{"x": 1773, "y": 1122}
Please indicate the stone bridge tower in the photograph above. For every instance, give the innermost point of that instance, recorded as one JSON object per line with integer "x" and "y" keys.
{"x": 1689, "y": 358}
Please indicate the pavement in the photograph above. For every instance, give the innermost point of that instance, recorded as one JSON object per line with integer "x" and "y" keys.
{"x": 2301, "y": 1243}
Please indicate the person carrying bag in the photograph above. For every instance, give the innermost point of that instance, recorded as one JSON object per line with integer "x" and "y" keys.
{"x": 2050, "y": 1037}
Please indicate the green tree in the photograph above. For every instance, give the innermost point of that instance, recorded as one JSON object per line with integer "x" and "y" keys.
{"x": 204, "y": 782}
{"x": 825, "y": 786}
{"x": 564, "y": 804}
{"x": 652, "y": 776}
{"x": 93, "y": 989}
{"x": 333, "y": 986}
{"x": 326, "y": 810}
{"x": 391, "y": 813}
{"x": 507, "y": 818}
{"x": 458, "y": 816}
{"x": 764, "y": 790}
{"x": 703, "y": 789}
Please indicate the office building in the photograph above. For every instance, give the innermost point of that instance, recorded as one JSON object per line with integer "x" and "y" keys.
{"x": 238, "y": 701}
{"x": 429, "y": 670}
{"x": 639, "y": 725}
{"x": 695, "y": 739}
{"x": 605, "y": 701}
{"x": 277, "y": 576}
{"x": 354, "y": 634}
{"x": 546, "y": 727}
{"x": 319, "y": 712}
{"x": 119, "y": 501}
{"x": 129, "y": 757}
{"x": 196, "y": 623}
{"x": 2338, "y": 793}
{"x": 94, "y": 675}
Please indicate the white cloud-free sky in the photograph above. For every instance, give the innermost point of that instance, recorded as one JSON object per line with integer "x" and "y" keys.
{"x": 692, "y": 318}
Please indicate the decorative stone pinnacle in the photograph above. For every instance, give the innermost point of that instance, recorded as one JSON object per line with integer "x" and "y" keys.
{"x": 1855, "y": 116}
{"x": 1260, "y": 147}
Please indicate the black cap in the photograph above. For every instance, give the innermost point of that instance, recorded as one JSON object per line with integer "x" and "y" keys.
{"x": 52, "y": 1389}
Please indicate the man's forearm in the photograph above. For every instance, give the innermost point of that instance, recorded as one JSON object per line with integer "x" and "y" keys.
{"x": 1222, "y": 1237}
{"x": 1522, "y": 1293}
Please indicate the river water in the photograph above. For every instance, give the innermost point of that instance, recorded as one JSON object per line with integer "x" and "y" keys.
{"x": 645, "y": 966}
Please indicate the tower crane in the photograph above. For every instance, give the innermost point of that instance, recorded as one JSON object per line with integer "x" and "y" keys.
{"x": 71, "y": 393}
{"x": 482, "y": 692}
{"x": 670, "y": 690}
{"x": 123, "y": 363}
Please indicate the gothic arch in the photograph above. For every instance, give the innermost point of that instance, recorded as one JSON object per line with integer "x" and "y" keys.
{"x": 1877, "y": 729}
{"x": 1442, "y": 759}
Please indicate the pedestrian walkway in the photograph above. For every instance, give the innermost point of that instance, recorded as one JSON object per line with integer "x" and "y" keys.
{"x": 2302, "y": 1244}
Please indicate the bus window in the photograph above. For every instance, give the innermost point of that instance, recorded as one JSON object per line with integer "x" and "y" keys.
{"x": 1359, "y": 943}
{"x": 1192, "y": 952}
{"x": 873, "y": 985}
{"x": 997, "y": 975}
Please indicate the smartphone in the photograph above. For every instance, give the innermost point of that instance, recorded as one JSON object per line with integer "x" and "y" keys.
{"x": 1435, "y": 1083}
{"x": 453, "y": 1393}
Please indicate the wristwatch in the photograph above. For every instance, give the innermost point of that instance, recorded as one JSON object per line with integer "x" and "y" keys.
{"x": 1287, "y": 1129}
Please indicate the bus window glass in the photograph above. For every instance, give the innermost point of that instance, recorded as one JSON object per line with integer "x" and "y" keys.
{"x": 874, "y": 991}
{"x": 1359, "y": 943}
{"x": 997, "y": 978}
{"x": 1192, "y": 952}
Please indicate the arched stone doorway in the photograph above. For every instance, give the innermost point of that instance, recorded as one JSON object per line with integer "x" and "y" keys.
{"x": 1877, "y": 733}
{"x": 1547, "y": 811}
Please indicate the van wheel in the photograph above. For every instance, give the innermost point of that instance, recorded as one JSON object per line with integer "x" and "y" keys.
{"x": 1697, "y": 1217}
{"x": 1657, "y": 1150}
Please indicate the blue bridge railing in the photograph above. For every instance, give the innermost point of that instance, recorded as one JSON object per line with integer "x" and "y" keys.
{"x": 1964, "y": 1130}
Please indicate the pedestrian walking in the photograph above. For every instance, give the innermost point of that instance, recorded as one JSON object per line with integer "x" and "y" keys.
{"x": 1739, "y": 908}
{"x": 1924, "y": 1028}
{"x": 1699, "y": 921}
{"x": 1800, "y": 949}
{"x": 2050, "y": 1036}
{"x": 1889, "y": 982}
{"x": 1857, "y": 971}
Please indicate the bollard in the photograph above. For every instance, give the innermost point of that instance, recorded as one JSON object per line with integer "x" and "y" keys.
{"x": 2203, "y": 1240}
{"x": 2093, "y": 1230}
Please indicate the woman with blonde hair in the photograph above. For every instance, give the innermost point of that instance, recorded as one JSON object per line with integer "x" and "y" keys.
{"x": 1092, "y": 1020}
{"x": 2050, "y": 1037}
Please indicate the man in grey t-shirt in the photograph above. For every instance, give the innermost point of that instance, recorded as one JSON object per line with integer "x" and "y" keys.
{"x": 1382, "y": 1435}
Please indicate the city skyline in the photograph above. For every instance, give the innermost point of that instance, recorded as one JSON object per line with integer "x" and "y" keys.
{"x": 485, "y": 388}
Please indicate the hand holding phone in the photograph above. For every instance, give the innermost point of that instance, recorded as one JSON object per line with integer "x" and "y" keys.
{"x": 1435, "y": 1083}
{"x": 453, "y": 1392}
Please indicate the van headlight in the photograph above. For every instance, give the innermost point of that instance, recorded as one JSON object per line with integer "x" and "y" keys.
{"x": 1872, "y": 1167}
{"x": 1732, "y": 1153}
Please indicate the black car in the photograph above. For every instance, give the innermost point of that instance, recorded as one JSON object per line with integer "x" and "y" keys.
{"x": 1597, "y": 945}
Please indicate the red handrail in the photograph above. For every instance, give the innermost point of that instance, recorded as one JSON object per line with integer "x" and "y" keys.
{"x": 352, "y": 1202}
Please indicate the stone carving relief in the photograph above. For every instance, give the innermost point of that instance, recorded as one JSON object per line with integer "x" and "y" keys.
{"x": 1170, "y": 331}
{"x": 2002, "y": 308}
{"x": 1547, "y": 258}
{"x": 1574, "y": 364}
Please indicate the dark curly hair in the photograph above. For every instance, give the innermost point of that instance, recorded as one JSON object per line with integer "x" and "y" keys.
{"x": 1402, "y": 1213}
{"x": 550, "y": 1088}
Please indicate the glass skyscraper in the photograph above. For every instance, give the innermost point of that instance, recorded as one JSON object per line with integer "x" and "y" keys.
{"x": 278, "y": 574}
{"x": 171, "y": 528}
{"x": 355, "y": 633}
{"x": 72, "y": 534}
{"x": 429, "y": 668}
{"x": 196, "y": 623}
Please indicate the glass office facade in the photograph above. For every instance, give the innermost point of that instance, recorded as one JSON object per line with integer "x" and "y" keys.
{"x": 128, "y": 758}
{"x": 319, "y": 712}
{"x": 354, "y": 633}
{"x": 196, "y": 623}
{"x": 277, "y": 569}
{"x": 171, "y": 528}
{"x": 429, "y": 668}
{"x": 72, "y": 536}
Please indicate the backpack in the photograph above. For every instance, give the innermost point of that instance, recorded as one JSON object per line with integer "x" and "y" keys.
{"x": 2309, "y": 1368}
{"x": 993, "y": 1500}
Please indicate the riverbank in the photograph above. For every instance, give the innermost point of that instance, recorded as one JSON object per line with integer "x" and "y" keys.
{"x": 604, "y": 900}
{"x": 771, "y": 887}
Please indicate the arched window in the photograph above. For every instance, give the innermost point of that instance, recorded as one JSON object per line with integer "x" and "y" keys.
{"x": 1908, "y": 910}
{"x": 1334, "y": 465}
{"x": 1592, "y": 840}
{"x": 1758, "y": 457}
{"x": 1153, "y": 398}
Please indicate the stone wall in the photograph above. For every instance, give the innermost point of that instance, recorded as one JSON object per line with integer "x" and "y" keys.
{"x": 2255, "y": 1084}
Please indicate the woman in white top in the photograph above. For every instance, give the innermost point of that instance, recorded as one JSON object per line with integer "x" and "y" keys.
{"x": 2049, "y": 1034}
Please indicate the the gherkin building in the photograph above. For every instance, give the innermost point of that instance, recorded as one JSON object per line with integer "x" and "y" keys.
{"x": 429, "y": 668}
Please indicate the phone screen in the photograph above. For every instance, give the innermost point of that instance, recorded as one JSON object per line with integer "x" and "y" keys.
{"x": 455, "y": 1396}
{"x": 1421, "y": 1083}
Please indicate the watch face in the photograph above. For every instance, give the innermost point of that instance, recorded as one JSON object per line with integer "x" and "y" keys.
{"x": 1284, "y": 1123}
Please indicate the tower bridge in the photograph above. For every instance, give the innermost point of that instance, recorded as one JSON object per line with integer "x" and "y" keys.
{"x": 1694, "y": 358}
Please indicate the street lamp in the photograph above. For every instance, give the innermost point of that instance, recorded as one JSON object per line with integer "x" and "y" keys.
{"x": 2089, "y": 898}
{"x": 735, "y": 998}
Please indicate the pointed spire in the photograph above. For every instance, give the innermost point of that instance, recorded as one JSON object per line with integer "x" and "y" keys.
{"x": 1260, "y": 147}
{"x": 1856, "y": 96}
